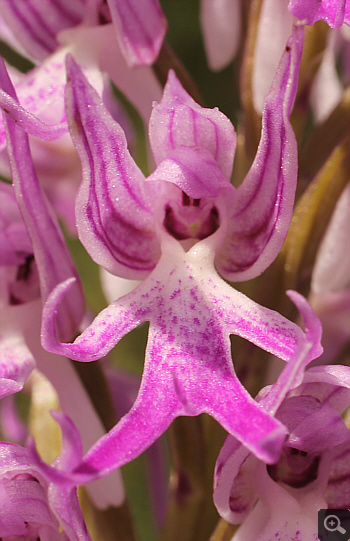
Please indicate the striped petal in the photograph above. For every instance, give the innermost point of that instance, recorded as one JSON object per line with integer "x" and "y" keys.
{"x": 193, "y": 170}
{"x": 141, "y": 27}
{"x": 263, "y": 208}
{"x": 113, "y": 210}
{"x": 51, "y": 254}
{"x": 179, "y": 121}
{"x": 334, "y": 13}
{"x": 36, "y": 23}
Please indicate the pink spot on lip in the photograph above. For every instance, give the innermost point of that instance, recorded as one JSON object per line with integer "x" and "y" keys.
{"x": 175, "y": 294}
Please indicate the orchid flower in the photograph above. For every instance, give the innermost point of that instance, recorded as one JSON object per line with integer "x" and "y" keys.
{"x": 282, "y": 500}
{"x": 30, "y": 508}
{"x": 334, "y": 13}
{"x": 36, "y": 259}
{"x": 172, "y": 229}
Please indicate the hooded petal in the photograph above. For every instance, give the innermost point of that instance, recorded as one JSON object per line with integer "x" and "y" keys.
{"x": 141, "y": 27}
{"x": 261, "y": 216}
{"x": 333, "y": 13}
{"x": 50, "y": 251}
{"x": 280, "y": 515}
{"x": 114, "y": 211}
{"x": 28, "y": 504}
{"x": 193, "y": 170}
{"x": 36, "y": 23}
{"x": 234, "y": 481}
{"x": 221, "y": 23}
{"x": 23, "y": 492}
{"x": 178, "y": 121}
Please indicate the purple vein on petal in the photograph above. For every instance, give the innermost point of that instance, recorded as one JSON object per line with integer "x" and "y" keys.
{"x": 141, "y": 27}
{"x": 264, "y": 201}
{"x": 179, "y": 121}
{"x": 112, "y": 202}
{"x": 36, "y": 23}
{"x": 50, "y": 251}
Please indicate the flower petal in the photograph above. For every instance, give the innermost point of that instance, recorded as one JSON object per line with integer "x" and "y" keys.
{"x": 280, "y": 515}
{"x": 338, "y": 489}
{"x": 16, "y": 363}
{"x": 188, "y": 357}
{"x": 331, "y": 270}
{"x": 333, "y": 13}
{"x": 274, "y": 19}
{"x": 169, "y": 389}
{"x": 50, "y": 251}
{"x": 40, "y": 92}
{"x": 221, "y": 22}
{"x": 64, "y": 501}
{"x": 306, "y": 350}
{"x": 36, "y": 23}
{"x": 114, "y": 213}
{"x": 179, "y": 121}
{"x": 28, "y": 122}
{"x": 193, "y": 170}
{"x": 72, "y": 449}
{"x": 234, "y": 488}
{"x": 101, "y": 336}
{"x": 318, "y": 429}
{"x": 264, "y": 202}
{"x": 141, "y": 27}
{"x": 65, "y": 505}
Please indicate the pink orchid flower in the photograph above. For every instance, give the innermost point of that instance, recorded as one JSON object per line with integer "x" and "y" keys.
{"x": 281, "y": 501}
{"x": 32, "y": 508}
{"x": 177, "y": 230}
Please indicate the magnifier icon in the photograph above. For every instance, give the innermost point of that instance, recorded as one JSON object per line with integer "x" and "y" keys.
{"x": 332, "y": 524}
